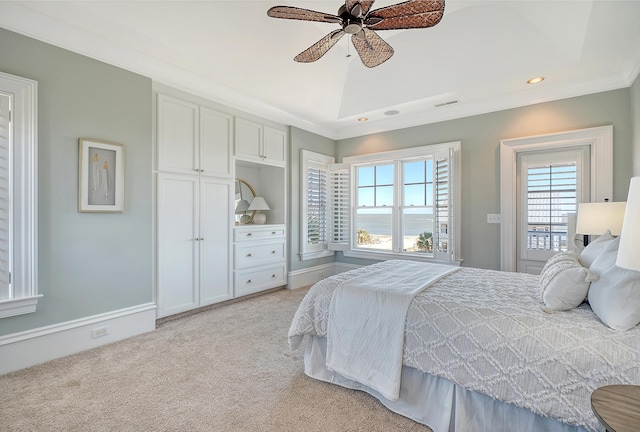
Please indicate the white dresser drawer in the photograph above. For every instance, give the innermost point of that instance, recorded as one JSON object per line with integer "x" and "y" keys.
{"x": 251, "y": 254}
{"x": 251, "y": 281}
{"x": 257, "y": 232}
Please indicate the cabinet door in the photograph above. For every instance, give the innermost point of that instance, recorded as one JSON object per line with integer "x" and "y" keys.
{"x": 215, "y": 142}
{"x": 248, "y": 139}
{"x": 177, "y": 135}
{"x": 215, "y": 247}
{"x": 274, "y": 146}
{"x": 177, "y": 244}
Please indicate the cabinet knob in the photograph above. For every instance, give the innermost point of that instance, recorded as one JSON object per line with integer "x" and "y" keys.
{"x": 273, "y": 251}
{"x": 273, "y": 232}
{"x": 273, "y": 276}
{"x": 249, "y": 281}
{"x": 248, "y": 234}
{"x": 249, "y": 254}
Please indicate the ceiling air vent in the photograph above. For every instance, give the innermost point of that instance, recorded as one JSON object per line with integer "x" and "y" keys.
{"x": 446, "y": 103}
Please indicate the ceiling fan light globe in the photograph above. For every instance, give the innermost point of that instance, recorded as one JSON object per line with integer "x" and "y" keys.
{"x": 352, "y": 28}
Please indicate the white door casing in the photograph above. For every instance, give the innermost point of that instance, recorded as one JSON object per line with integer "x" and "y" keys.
{"x": 600, "y": 141}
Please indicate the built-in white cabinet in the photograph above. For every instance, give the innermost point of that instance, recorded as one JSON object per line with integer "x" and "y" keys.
{"x": 203, "y": 254}
{"x": 193, "y": 138}
{"x": 260, "y": 143}
{"x": 260, "y": 258}
{"x": 194, "y": 252}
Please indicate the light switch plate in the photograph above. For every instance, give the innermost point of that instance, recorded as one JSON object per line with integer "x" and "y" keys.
{"x": 493, "y": 218}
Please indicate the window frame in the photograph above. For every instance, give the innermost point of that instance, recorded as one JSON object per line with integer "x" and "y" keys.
{"x": 23, "y": 293}
{"x": 399, "y": 156}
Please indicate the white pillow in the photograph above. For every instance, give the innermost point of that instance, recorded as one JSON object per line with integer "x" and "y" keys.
{"x": 564, "y": 283}
{"x": 615, "y": 296}
{"x": 594, "y": 248}
{"x": 560, "y": 256}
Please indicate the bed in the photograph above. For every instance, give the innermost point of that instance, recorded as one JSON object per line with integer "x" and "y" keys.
{"x": 481, "y": 352}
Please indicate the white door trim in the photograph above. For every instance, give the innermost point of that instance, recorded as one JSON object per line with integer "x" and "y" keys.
{"x": 600, "y": 139}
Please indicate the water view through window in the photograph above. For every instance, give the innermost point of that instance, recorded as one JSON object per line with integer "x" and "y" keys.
{"x": 376, "y": 208}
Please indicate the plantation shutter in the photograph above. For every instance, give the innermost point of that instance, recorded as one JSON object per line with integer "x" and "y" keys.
{"x": 339, "y": 206}
{"x": 316, "y": 204}
{"x": 442, "y": 245}
{"x": 5, "y": 198}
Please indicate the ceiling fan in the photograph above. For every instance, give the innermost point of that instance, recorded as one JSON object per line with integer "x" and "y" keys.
{"x": 357, "y": 19}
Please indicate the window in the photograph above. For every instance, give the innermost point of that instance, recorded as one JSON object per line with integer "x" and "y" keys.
{"x": 404, "y": 203}
{"x": 552, "y": 183}
{"x": 18, "y": 150}
{"x": 551, "y": 195}
{"x": 314, "y": 235}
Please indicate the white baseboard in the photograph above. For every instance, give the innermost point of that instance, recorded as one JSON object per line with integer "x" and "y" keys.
{"x": 309, "y": 276}
{"x": 32, "y": 347}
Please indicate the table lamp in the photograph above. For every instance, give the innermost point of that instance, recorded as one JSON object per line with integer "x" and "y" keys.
{"x": 259, "y": 204}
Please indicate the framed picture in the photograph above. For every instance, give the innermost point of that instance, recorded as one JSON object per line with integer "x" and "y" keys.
{"x": 101, "y": 177}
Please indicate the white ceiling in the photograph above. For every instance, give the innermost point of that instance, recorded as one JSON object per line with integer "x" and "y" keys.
{"x": 481, "y": 55}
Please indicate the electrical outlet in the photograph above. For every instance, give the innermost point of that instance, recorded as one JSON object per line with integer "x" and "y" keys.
{"x": 99, "y": 332}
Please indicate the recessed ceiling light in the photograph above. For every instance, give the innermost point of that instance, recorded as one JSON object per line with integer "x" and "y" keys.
{"x": 363, "y": 119}
{"x": 535, "y": 80}
{"x": 391, "y": 112}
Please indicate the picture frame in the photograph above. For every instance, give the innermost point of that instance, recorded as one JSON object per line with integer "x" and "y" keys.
{"x": 101, "y": 176}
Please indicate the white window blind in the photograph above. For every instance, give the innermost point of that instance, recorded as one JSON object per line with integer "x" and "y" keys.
{"x": 6, "y": 184}
{"x": 314, "y": 208}
{"x": 442, "y": 204}
{"x": 339, "y": 207}
{"x": 551, "y": 193}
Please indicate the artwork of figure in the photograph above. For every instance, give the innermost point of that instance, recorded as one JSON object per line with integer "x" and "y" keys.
{"x": 101, "y": 176}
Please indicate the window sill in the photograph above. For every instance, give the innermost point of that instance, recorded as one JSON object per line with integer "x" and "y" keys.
{"x": 384, "y": 256}
{"x": 304, "y": 256}
{"x": 24, "y": 305}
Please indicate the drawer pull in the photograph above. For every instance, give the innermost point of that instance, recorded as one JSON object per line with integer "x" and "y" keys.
{"x": 273, "y": 275}
{"x": 248, "y": 234}
{"x": 273, "y": 232}
{"x": 249, "y": 254}
{"x": 249, "y": 281}
{"x": 273, "y": 251}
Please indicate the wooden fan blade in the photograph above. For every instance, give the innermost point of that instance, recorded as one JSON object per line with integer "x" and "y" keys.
{"x": 409, "y": 14}
{"x": 290, "y": 12}
{"x": 373, "y": 50}
{"x": 365, "y": 5}
{"x": 320, "y": 48}
{"x": 423, "y": 20}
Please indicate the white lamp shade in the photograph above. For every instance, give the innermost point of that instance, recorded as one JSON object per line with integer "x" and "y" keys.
{"x": 259, "y": 203}
{"x": 243, "y": 206}
{"x": 597, "y": 218}
{"x": 628, "y": 256}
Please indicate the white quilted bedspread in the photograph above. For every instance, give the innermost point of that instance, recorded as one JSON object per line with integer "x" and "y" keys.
{"x": 486, "y": 330}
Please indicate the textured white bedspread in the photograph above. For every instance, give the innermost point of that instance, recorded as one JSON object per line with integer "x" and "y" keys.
{"x": 367, "y": 314}
{"x": 485, "y": 330}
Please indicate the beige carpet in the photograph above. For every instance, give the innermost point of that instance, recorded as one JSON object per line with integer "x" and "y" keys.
{"x": 226, "y": 369}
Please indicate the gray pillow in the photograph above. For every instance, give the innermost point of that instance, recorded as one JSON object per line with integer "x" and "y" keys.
{"x": 615, "y": 296}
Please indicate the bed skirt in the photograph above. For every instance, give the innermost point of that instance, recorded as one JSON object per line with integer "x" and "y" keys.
{"x": 437, "y": 402}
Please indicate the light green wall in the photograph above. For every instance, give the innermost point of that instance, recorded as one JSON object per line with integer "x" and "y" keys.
{"x": 88, "y": 263}
{"x": 635, "y": 115}
{"x": 481, "y": 135}
{"x": 299, "y": 140}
